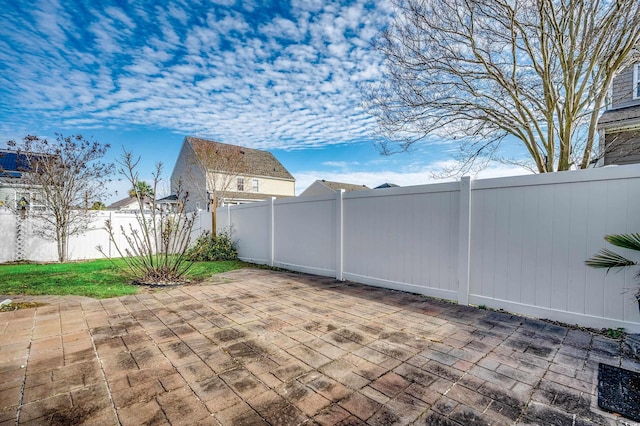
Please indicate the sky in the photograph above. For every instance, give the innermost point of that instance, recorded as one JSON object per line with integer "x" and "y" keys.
{"x": 283, "y": 76}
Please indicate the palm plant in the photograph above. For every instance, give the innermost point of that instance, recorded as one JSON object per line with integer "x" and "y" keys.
{"x": 141, "y": 189}
{"x": 609, "y": 259}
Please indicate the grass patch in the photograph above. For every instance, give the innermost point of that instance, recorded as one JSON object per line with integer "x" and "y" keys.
{"x": 97, "y": 278}
{"x": 203, "y": 270}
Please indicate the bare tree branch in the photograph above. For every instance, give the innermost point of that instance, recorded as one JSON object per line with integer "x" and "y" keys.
{"x": 64, "y": 175}
{"x": 480, "y": 70}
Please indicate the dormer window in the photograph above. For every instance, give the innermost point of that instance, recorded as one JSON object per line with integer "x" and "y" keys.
{"x": 636, "y": 81}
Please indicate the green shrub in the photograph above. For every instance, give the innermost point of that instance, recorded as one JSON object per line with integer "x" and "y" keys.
{"x": 210, "y": 247}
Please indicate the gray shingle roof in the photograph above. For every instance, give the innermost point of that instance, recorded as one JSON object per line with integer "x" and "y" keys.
{"x": 125, "y": 202}
{"x": 252, "y": 163}
{"x": 386, "y": 185}
{"x": 346, "y": 186}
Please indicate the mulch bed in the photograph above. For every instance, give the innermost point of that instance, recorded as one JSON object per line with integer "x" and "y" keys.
{"x": 20, "y": 305}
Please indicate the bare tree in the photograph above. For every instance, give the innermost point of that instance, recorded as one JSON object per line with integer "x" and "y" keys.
{"x": 155, "y": 249}
{"x": 479, "y": 71}
{"x": 61, "y": 176}
{"x": 219, "y": 165}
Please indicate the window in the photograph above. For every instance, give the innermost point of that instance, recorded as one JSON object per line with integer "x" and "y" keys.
{"x": 240, "y": 184}
{"x": 636, "y": 81}
{"x": 256, "y": 185}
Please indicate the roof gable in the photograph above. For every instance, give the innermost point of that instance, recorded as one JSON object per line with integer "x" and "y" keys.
{"x": 253, "y": 162}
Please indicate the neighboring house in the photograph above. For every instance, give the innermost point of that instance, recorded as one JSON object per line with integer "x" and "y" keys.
{"x": 321, "y": 187}
{"x": 12, "y": 186}
{"x": 129, "y": 205}
{"x": 169, "y": 203}
{"x": 619, "y": 126}
{"x": 228, "y": 174}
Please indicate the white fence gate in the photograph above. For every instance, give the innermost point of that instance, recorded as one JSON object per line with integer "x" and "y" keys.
{"x": 517, "y": 243}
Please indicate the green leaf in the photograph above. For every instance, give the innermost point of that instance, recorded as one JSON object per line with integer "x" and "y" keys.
{"x": 609, "y": 259}
{"x": 628, "y": 241}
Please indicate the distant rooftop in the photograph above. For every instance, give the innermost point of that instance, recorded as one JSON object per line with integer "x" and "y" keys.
{"x": 348, "y": 187}
{"x": 386, "y": 185}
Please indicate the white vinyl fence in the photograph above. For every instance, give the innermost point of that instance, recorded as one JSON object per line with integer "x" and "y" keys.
{"x": 25, "y": 244}
{"x": 517, "y": 243}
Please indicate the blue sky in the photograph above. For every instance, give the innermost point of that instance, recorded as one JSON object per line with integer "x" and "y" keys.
{"x": 283, "y": 76}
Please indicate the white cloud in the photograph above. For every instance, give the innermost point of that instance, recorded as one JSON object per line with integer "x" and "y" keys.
{"x": 285, "y": 83}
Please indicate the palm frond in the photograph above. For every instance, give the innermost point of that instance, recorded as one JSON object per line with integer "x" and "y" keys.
{"x": 609, "y": 259}
{"x": 628, "y": 241}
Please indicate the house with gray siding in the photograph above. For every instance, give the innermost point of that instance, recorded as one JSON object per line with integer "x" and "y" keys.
{"x": 619, "y": 125}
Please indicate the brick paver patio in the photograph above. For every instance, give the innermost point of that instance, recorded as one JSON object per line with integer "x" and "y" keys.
{"x": 260, "y": 347}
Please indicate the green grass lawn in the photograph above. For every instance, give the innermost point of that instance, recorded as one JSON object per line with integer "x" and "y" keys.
{"x": 97, "y": 278}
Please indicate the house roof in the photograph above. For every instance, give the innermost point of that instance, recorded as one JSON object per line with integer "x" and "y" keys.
{"x": 253, "y": 162}
{"x": 348, "y": 187}
{"x": 168, "y": 199}
{"x": 622, "y": 117}
{"x": 125, "y": 202}
{"x": 386, "y": 185}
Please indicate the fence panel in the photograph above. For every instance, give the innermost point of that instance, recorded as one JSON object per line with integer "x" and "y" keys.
{"x": 251, "y": 229}
{"x": 80, "y": 247}
{"x": 8, "y": 223}
{"x": 305, "y": 234}
{"x": 531, "y": 235}
{"x": 403, "y": 238}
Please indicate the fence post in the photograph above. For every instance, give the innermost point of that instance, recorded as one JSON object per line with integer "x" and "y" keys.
{"x": 229, "y": 218}
{"x": 111, "y": 222}
{"x": 272, "y": 231}
{"x": 464, "y": 241}
{"x": 339, "y": 234}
